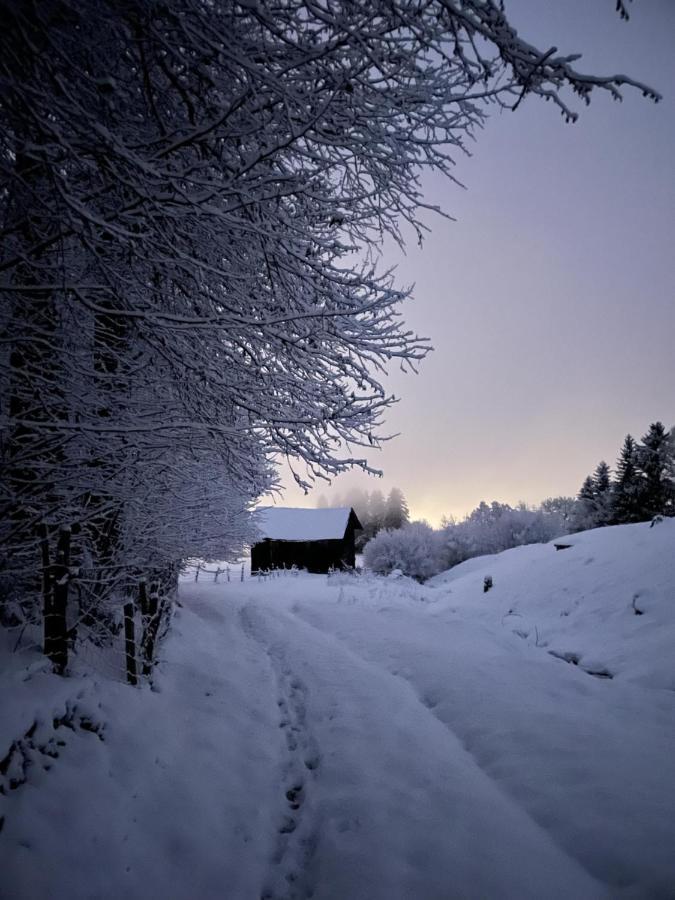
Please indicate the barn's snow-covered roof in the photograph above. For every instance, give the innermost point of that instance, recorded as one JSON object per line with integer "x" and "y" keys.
{"x": 282, "y": 523}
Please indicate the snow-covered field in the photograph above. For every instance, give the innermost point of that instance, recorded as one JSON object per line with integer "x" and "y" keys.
{"x": 351, "y": 737}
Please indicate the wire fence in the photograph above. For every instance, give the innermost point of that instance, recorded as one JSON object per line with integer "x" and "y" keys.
{"x": 90, "y": 650}
{"x": 116, "y": 637}
{"x": 229, "y": 572}
{"x": 196, "y": 570}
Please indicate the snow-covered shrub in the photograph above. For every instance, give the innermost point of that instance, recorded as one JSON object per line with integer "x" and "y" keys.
{"x": 413, "y": 549}
{"x": 496, "y": 527}
{"x": 420, "y": 552}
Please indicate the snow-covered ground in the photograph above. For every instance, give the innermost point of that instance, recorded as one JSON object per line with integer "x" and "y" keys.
{"x": 351, "y": 737}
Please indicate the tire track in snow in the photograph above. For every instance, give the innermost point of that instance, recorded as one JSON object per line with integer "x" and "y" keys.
{"x": 405, "y": 810}
{"x": 428, "y": 702}
{"x": 297, "y": 832}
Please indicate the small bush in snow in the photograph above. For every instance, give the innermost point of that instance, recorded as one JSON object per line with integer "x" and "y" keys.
{"x": 413, "y": 549}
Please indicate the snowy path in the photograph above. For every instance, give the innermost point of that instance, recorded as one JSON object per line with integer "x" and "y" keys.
{"x": 590, "y": 760}
{"x": 398, "y": 808}
{"x": 348, "y": 740}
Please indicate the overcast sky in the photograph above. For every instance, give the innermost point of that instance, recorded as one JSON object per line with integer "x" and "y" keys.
{"x": 550, "y": 302}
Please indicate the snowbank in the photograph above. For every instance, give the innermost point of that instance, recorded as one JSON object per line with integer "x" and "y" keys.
{"x": 607, "y": 603}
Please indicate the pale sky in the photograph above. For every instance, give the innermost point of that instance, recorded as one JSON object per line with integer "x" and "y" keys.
{"x": 550, "y": 302}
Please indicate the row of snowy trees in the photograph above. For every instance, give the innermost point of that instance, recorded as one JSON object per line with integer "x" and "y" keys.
{"x": 374, "y": 511}
{"x": 184, "y": 190}
{"x": 420, "y": 551}
{"x": 642, "y": 487}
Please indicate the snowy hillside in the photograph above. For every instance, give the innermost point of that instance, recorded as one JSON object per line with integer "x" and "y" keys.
{"x": 607, "y": 602}
{"x": 367, "y": 738}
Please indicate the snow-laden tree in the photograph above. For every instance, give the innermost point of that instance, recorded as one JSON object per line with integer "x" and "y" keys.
{"x": 561, "y": 507}
{"x": 627, "y": 487}
{"x": 585, "y": 514}
{"x": 594, "y": 506}
{"x": 420, "y": 551}
{"x": 602, "y": 493}
{"x": 396, "y": 513}
{"x": 415, "y": 550}
{"x": 375, "y": 520}
{"x": 185, "y": 190}
{"x": 377, "y": 508}
{"x": 657, "y": 470}
{"x": 492, "y": 528}
{"x": 644, "y": 485}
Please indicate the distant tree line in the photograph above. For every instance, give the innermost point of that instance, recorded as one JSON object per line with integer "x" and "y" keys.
{"x": 643, "y": 486}
{"x": 374, "y": 511}
{"x": 420, "y": 551}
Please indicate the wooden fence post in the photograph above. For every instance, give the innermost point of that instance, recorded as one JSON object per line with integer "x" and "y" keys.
{"x": 130, "y": 643}
{"x": 143, "y": 597}
{"x": 145, "y": 614}
{"x": 150, "y": 614}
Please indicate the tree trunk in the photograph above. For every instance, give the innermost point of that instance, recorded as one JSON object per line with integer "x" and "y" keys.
{"x": 55, "y": 587}
{"x": 130, "y": 643}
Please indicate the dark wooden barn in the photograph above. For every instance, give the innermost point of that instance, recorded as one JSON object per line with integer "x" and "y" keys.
{"x": 312, "y": 539}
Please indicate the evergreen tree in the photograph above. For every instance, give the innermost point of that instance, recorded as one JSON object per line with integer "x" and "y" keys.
{"x": 396, "y": 513}
{"x": 586, "y": 494}
{"x": 377, "y": 508}
{"x": 601, "y": 478}
{"x": 585, "y": 512}
{"x": 627, "y": 487}
{"x": 594, "y": 500}
{"x": 655, "y": 462}
{"x": 358, "y": 499}
{"x": 602, "y": 494}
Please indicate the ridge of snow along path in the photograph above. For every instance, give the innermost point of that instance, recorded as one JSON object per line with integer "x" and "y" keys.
{"x": 373, "y": 738}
